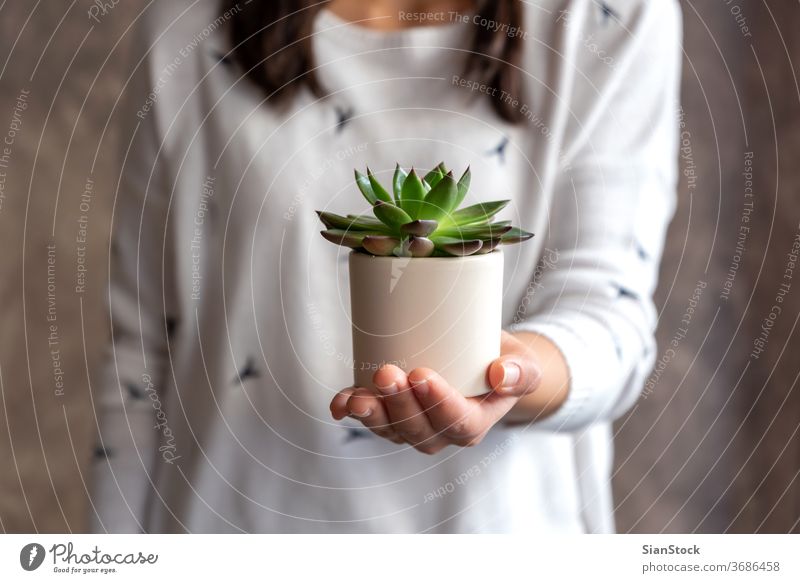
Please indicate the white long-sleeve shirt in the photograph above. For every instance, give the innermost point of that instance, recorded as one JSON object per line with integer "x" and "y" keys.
{"x": 230, "y": 312}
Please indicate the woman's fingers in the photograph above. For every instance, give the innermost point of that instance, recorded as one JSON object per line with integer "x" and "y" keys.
{"x": 405, "y": 413}
{"x": 451, "y": 415}
{"x": 367, "y": 408}
{"x": 362, "y": 403}
{"x": 339, "y": 403}
{"x": 422, "y": 409}
{"x": 514, "y": 375}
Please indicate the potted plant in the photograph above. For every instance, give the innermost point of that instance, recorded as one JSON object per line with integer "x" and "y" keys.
{"x": 426, "y": 277}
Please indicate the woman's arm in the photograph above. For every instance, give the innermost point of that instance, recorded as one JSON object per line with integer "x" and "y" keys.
{"x": 127, "y": 391}
{"x": 612, "y": 205}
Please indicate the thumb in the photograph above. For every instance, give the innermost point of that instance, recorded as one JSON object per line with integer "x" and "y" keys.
{"x": 514, "y": 375}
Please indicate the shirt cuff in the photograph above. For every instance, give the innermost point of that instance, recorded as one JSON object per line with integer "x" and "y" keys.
{"x": 590, "y": 370}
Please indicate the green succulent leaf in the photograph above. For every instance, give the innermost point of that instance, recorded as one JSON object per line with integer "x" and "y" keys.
{"x": 489, "y": 231}
{"x": 434, "y": 176}
{"x": 350, "y": 223}
{"x": 420, "y": 217}
{"x": 477, "y": 213}
{"x": 419, "y": 228}
{"x": 457, "y": 247}
{"x": 399, "y": 178}
{"x": 412, "y": 195}
{"x": 377, "y": 188}
{"x": 440, "y": 200}
{"x": 463, "y": 187}
{"x": 351, "y": 239}
{"x": 391, "y": 215}
{"x": 365, "y": 187}
{"x": 515, "y": 235}
{"x": 368, "y": 218}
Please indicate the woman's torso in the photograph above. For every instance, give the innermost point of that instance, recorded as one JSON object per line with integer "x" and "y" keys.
{"x": 262, "y": 301}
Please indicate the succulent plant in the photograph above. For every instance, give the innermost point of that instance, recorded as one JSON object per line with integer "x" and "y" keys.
{"x": 421, "y": 218}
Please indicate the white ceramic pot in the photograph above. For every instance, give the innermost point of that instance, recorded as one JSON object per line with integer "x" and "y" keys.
{"x": 438, "y": 312}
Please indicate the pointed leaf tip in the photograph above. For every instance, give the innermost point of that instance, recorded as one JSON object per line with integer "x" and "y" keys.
{"x": 412, "y": 194}
{"x": 377, "y": 187}
{"x": 343, "y": 238}
{"x": 463, "y": 186}
{"x": 433, "y": 177}
{"x": 365, "y": 187}
{"x": 515, "y": 235}
{"x": 398, "y": 180}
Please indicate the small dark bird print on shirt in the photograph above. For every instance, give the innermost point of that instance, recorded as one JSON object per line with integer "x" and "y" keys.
{"x": 247, "y": 372}
{"x": 222, "y": 58}
{"x": 134, "y": 391}
{"x": 500, "y": 150}
{"x": 101, "y": 453}
{"x": 623, "y": 292}
{"x": 606, "y": 13}
{"x": 343, "y": 117}
{"x": 356, "y": 433}
{"x": 640, "y": 251}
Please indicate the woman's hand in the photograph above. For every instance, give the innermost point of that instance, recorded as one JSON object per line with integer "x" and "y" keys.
{"x": 423, "y": 410}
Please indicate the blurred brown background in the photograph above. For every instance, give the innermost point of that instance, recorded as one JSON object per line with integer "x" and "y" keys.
{"x": 712, "y": 446}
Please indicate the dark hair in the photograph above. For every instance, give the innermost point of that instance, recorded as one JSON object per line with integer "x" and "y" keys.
{"x": 271, "y": 40}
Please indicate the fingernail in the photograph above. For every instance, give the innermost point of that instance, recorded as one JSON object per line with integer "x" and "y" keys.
{"x": 511, "y": 374}
{"x": 363, "y": 415}
{"x": 388, "y": 389}
{"x": 421, "y": 388}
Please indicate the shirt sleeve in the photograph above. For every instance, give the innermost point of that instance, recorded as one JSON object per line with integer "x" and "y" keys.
{"x": 128, "y": 395}
{"x": 612, "y": 205}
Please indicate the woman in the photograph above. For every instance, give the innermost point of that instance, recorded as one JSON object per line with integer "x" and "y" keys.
{"x": 231, "y": 335}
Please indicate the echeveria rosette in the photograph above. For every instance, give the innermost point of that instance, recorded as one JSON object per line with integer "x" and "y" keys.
{"x": 421, "y": 217}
